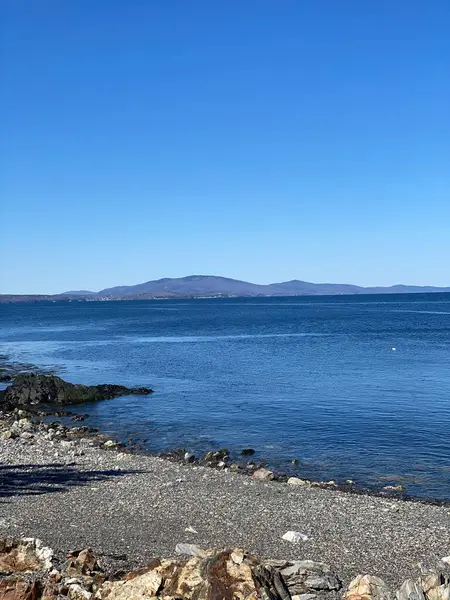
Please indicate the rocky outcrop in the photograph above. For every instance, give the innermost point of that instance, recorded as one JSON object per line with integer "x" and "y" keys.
{"x": 431, "y": 585}
{"x": 27, "y": 572}
{"x": 37, "y": 389}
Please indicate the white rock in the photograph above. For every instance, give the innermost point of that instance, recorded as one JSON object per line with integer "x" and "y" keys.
{"x": 190, "y": 530}
{"x": 295, "y": 537}
{"x": 110, "y": 444}
{"x": 237, "y": 557}
{"x": 76, "y": 592}
{"x": 263, "y": 475}
{"x": 297, "y": 481}
{"x": 190, "y": 550}
{"x": 446, "y": 560}
{"x": 44, "y": 554}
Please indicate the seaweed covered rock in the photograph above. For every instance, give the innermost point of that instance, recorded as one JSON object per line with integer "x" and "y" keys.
{"x": 33, "y": 389}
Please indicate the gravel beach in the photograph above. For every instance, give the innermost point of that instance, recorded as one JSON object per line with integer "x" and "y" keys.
{"x": 130, "y": 508}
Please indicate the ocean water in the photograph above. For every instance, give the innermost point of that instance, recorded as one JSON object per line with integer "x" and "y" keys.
{"x": 315, "y": 379}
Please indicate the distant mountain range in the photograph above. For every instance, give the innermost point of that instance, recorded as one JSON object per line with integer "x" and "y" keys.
{"x": 209, "y": 286}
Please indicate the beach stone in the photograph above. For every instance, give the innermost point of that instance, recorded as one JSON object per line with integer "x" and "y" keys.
{"x": 25, "y": 424}
{"x": 294, "y": 537}
{"x": 394, "y": 488}
{"x": 77, "y": 592}
{"x": 9, "y": 434}
{"x": 367, "y": 587}
{"x": 87, "y": 560}
{"x": 263, "y": 475}
{"x": 144, "y": 586}
{"x": 306, "y": 575}
{"x": 110, "y": 444}
{"x": 213, "y": 458}
{"x": 297, "y": 481}
{"x": 23, "y": 414}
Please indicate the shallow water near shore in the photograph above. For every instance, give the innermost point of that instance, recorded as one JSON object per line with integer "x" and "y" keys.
{"x": 313, "y": 379}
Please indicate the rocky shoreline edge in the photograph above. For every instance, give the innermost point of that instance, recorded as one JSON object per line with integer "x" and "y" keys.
{"x": 30, "y": 571}
{"x": 35, "y": 396}
{"x": 79, "y": 460}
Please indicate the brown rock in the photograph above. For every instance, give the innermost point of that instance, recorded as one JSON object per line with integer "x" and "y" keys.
{"x": 436, "y": 585}
{"x": 142, "y": 586}
{"x": 26, "y": 555}
{"x": 227, "y": 575}
{"x": 17, "y": 589}
{"x": 367, "y": 587}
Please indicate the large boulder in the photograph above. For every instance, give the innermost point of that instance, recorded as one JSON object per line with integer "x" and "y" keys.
{"x": 367, "y": 587}
{"x": 31, "y": 389}
{"x": 303, "y": 576}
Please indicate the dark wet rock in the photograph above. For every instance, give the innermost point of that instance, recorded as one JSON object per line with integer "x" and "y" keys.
{"x": 248, "y": 452}
{"x": 175, "y": 455}
{"x": 189, "y": 457}
{"x": 35, "y": 389}
{"x": 214, "y": 458}
{"x": 78, "y": 418}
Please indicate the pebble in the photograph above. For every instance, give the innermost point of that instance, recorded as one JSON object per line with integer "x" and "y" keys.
{"x": 295, "y": 537}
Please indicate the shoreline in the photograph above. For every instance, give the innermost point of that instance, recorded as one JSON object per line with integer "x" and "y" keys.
{"x": 71, "y": 490}
{"x": 220, "y": 459}
{"x": 213, "y": 459}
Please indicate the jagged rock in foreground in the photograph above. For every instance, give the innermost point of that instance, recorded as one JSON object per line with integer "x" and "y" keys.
{"x": 228, "y": 575}
{"x": 29, "y": 573}
{"x": 368, "y": 587}
{"x": 34, "y": 389}
{"x": 26, "y": 555}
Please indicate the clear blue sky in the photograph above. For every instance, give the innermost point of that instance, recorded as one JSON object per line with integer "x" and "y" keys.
{"x": 258, "y": 139}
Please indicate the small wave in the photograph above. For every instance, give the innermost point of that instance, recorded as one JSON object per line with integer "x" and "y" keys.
{"x": 214, "y": 338}
{"x": 425, "y": 312}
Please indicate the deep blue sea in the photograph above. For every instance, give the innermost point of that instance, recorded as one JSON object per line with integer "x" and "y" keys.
{"x": 316, "y": 379}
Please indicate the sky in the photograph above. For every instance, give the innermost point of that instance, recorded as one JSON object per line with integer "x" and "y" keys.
{"x": 262, "y": 140}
